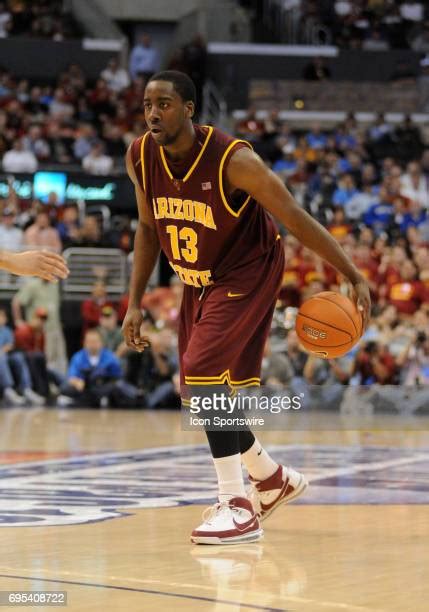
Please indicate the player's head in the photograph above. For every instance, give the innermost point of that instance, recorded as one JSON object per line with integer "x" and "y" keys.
{"x": 169, "y": 104}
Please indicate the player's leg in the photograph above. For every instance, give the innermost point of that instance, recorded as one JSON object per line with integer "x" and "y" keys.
{"x": 272, "y": 484}
{"x": 232, "y": 519}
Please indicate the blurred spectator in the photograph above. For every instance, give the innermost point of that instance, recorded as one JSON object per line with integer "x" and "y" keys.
{"x": 5, "y": 21}
{"x": 95, "y": 378}
{"x": 38, "y": 295}
{"x": 195, "y": 60}
{"x": 18, "y": 159}
{"x": 374, "y": 364}
{"x": 59, "y": 108}
{"x": 36, "y": 143}
{"x": 144, "y": 58}
{"x": 116, "y": 77}
{"x": 110, "y": 331}
{"x": 42, "y": 234}
{"x": 406, "y": 293}
{"x": 11, "y": 237}
{"x": 69, "y": 226}
{"x": 375, "y": 42}
{"x": 13, "y": 362}
{"x": 30, "y": 339}
{"x": 415, "y": 185}
{"x": 96, "y": 162}
{"x": 91, "y": 308}
{"x": 420, "y": 44}
{"x": 316, "y": 70}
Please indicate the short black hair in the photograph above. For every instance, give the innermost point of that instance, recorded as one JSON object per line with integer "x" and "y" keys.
{"x": 183, "y": 85}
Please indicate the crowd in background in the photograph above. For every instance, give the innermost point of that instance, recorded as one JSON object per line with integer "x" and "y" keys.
{"x": 372, "y": 25}
{"x": 83, "y": 124}
{"x": 38, "y": 19}
{"x": 369, "y": 185}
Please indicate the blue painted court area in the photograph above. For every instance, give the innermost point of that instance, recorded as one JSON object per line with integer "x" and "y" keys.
{"x": 109, "y": 485}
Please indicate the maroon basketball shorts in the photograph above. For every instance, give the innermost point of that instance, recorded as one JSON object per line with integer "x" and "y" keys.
{"x": 223, "y": 331}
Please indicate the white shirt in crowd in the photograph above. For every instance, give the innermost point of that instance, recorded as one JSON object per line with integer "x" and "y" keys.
{"x": 10, "y": 237}
{"x": 100, "y": 165}
{"x": 19, "y": 161}
{"x": 419, "y": 193}
{"x": 116, "y": 80}
{"x": 4, "y": 21}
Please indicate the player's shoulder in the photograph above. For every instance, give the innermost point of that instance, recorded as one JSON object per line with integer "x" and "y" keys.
{"x": 135, "y": 149}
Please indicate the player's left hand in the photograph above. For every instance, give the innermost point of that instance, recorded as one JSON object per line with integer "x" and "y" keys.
{"x": 361, "y": 296}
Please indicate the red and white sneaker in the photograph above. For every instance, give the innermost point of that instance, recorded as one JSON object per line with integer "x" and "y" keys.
{"x": 231, "y": 522}
{"x": 283, "y": 486}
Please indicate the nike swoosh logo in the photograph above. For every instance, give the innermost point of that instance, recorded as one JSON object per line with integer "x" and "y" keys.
{"x": 246, "y": 525}
{"x": 230, "y": 294}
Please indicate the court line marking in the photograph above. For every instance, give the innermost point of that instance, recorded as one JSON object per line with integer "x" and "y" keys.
{"x": 287, "y": 598}
{"x": 146, "y": 591}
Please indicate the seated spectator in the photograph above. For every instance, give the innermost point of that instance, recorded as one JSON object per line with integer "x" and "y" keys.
{"x": 110, "y": 331}
{"x": 90, "y": 235}
{"x": 339, "y": 227}
{"x": 36, "y": 143}
{"x": 379, "y": 216}
{"x": 85, "y": 137}
{"x": 316, "y": 138}
{"x": 30, "y": 339}
{"x": 42, "y": 234}
{"x": 59, "y": 108}
{"x": 91, "y": 307}
{"x": 375, "y": 364}
{"x": 11, "y": 237}
{"x": 96, "y": 162}
{"x": 69, "y": 226}
{"x": 414, "y": 184}
{"x": 12, "y": 361}
{"x": 250, "y": 128}
{"x": 345, "y": 191}
{"x": 116, "y": 78}
{"x": 95, "y": 377}
{"x": 18, "y": 159}
{"x": 407, "y": 293}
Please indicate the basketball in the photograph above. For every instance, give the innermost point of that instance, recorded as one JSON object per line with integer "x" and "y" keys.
{"x": 328, "y": 324}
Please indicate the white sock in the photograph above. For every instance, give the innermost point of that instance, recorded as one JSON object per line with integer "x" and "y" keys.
{"x": 258, "y": 462}
{"x": 229, "y": 477}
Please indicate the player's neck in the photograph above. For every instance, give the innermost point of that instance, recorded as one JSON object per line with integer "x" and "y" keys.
{"x": 180, "y": 149}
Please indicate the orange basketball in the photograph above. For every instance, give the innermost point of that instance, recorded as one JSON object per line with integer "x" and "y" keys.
{"x": 328, "y": 324}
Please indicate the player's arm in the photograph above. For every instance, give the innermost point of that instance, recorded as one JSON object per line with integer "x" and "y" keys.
{"x": 46, "y": 265}
{"x": 247, "y": 171}
{"x": 146, "y": 251}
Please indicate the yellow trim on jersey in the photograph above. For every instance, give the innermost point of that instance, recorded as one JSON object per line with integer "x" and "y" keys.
{"x": 142, "y": 160}
{"x": 194, "y": 165}
{"x": 225, "y": 377}
{"x": 222, "y": 193}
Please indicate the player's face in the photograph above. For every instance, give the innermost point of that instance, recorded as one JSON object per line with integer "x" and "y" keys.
{"x": 166, "y": 113}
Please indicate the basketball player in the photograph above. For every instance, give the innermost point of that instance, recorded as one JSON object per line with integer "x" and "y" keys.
{"x": 44, "y": 264}
{"x": 207, "y": 200}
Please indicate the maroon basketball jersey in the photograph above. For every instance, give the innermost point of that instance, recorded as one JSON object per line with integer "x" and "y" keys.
{"x": 204, "y": 234}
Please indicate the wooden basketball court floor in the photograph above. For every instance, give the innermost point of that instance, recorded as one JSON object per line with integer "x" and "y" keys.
{"x": 101, "y": 505}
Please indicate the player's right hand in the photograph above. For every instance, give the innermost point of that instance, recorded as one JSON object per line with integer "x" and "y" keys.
{"x": 131, "y": 328}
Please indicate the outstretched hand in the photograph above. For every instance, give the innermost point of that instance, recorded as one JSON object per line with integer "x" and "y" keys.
{"x": 46, "y": 265}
